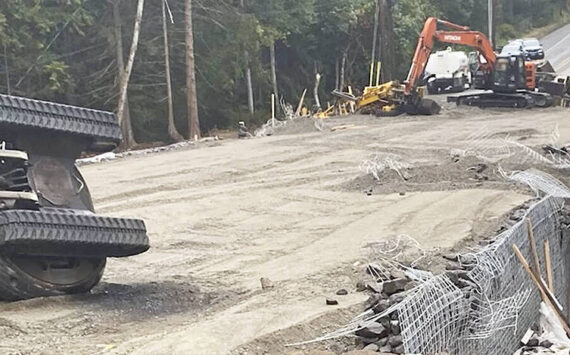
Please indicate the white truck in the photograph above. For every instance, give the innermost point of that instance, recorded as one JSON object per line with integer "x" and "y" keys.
{"x": 447, "y": 71}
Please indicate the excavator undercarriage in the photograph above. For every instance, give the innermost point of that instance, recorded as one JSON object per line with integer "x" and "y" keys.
{"x": 51, "y": 241}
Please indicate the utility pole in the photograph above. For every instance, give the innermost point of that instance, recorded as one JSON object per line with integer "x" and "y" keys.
{"x": 490, "y": 21}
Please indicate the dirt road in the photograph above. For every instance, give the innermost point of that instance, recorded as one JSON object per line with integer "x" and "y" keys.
{"x": 287, "y": 208}
{"x": 557, "y": 49}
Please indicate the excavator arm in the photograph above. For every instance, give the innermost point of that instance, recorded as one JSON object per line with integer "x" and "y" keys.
{"x": 458, "y": 35}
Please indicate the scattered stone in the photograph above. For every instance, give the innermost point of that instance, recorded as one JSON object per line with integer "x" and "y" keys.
{"x": 393, "y": 286}
{"x": 410, "y": 285}
{"x": 385, "y": 349}
{"x": 371, "y": 347}
{"x": 375, "y": 287}
{"x": 381, "y": 306}
{"x": 451, "y": 256}
{"x": 468, "y": 259}
{"x": 453, "y": 277}
{"x": 394, "y": 315}
{"x": 342, "y": 292}
{"x": 372, "y": 330}
{"x": 399, "y": 349}
{"x": 532, "y": 342}
{"x": 395, "y": 327}
{"x": 396, "y": 298}
{"x": 451, "y": 266}
{"x": 402, "y": 193}
{"x": 385, "y": 321}
{"x": 546, "y": 343}
{"x": 397, "y": 274}
{"x": 266, "y": 284}
{"x": 372, "y": 300}
{"x": 517, "y": 215}
{"x": 395, "y": 341}
{"x": 382, "y": 342}
{"x": 370, "y": 340}
{"x": 331, "y": 302}
{"x": 360, "y": 286}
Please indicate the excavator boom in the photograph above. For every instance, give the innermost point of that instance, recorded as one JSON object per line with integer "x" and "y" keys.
{"x": 458, "y": 35}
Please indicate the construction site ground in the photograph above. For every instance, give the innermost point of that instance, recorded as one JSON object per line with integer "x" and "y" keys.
{"x": 295, "y": 208}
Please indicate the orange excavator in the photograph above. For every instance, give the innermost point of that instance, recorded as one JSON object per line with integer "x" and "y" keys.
{"x": 511, "y": 79}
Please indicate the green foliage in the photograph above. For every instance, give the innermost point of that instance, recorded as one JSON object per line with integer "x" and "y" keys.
{"x": 65, "y": 50}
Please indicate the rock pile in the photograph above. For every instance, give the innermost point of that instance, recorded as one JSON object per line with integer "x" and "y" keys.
{"x": 383, "y": 335}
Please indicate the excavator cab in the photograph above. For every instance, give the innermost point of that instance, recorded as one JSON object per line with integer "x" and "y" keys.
{"x": 509, "y": 74}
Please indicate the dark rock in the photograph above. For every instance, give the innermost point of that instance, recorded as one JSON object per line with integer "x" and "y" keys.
{"x": 396, "y": 298}
{"x": 453, "y": 277}
{"x": 451, "y": 256}
{"x": 395, "y": 327}
{"x": 360, "y": 286}
{"x": 399, "y": 349}
{"x": 385, "y": 321}
{"x": 342, "y": 292}
{"x": 394, "y": 315}
{"x": 397, "y": 274}
{"x": 381, "y": 306}
{"x": 372, "y": 330}
{"x": 532, "y": 342}
{"x": 410, "y": 285}
{"x": 374, "y": 287}
{"x": 452, "y": 266}
{"x": 382, "y": 342}
{"x": 467, "y": 259}
{"x": 331, "y": 302}
{"x": 395, "y": 341}
{"x": 371, "y": 347}
{"x": 372, "y": 300}
{"x": 370, "y": 340}
{"x": 546, "y": 343}
{"x": 402, "y": 193}
{"x": 393, "y": 286}
{"x": 529, "y": 349}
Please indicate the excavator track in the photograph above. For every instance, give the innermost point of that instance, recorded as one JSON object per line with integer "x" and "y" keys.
{"x": 23, "y": 113}
{"x": 521, "y": 99}
{"x": 63, "y": 232}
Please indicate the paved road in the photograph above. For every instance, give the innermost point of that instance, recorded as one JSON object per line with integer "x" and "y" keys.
{"x": 557, "y": 46}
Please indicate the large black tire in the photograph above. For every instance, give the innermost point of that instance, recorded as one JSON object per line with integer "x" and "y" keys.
{"x": 19, "y": 277}
{"x": 23, "y": 277}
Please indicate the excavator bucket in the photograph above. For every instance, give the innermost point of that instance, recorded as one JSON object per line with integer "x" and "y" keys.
{"x": 428, "y": 107}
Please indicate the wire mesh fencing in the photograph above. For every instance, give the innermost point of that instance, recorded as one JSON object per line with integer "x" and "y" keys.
{"x": 493, "y": 313}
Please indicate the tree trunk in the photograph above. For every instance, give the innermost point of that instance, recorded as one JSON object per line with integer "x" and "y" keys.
{"x": 9, "y": 90}
{"x": 126, "y": 126}
{"x": 342, "y": 70}
{"x": 376, "y": 15}
{"x": 316, "y": 90}
{"x": 336, "y": 73}
{"x": 172, "y": 131}
{"x": 386, "y": 40}
{"x": 193, "y": 120}
{"x": 273, "y": 71}
{"x": 250, "y": 103}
